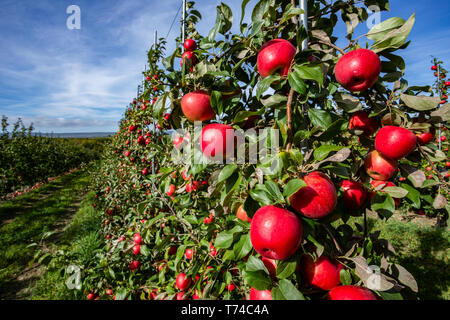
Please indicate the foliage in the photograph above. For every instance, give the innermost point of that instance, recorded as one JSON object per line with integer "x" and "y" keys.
{"x": 27, "y": 158}
{"x": 200, "y": 215}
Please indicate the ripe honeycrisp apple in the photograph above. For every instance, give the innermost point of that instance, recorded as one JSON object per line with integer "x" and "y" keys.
{"x": 215, "y": 138}
{"x": 196, "y": 106}
{"x": 354, "y": 194}
{"x": 379, "y": 167}
{"x": 395, "y": 142}
{"x": 317, "y": 199}
{"x": 350, "y": 293}
{"x": 358, "y": 70}
{"x": 190, "y": 45}
{"x": 323, "y": 274}
{"x": 275, "y": 233}
{"x": 275, "y": 56}
{"x": 260, "y": 295}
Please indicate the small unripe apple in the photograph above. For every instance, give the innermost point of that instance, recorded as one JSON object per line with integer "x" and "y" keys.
{"x": 379, "y": 167}
{"x": 275, "y": 56}
{"x": 317, "y": 199}
{"x": 214, "y": 140}
{"x": 190, "y": 45}
{"x": 260, "y": 295}
{"x": 196, "y": 106}
{"x": 358, "y": 70}
{"x": 395, "y": 142}
{"x": 350, "y": 293}
{"x": 360, "y": 121}
{"x": 182, "y": 282}
{"x": 354, "y": 194}
{"x": 275, "y": 233}
{"x": 323, "y": 273}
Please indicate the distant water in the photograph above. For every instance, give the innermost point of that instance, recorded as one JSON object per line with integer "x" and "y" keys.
{"x": 76, "y": 134}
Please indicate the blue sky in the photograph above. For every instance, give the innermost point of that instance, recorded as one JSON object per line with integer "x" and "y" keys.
{"x": 81, "y": 80}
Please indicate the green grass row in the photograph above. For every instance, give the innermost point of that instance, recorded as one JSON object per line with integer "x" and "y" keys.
{"x": 28, "y": 219}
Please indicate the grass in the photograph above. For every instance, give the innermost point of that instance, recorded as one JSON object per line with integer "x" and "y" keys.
{"x": 26, "y": 219}
{"x": 424, "y": 251}
{"x": 79, "y": 244}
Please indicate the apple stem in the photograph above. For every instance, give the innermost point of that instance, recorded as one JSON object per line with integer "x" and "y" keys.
{"x": 338, "y": 247}
{"x": 330, "y": 45}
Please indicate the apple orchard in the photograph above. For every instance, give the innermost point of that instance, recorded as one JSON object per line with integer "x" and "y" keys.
{"x": 353, "y": 139}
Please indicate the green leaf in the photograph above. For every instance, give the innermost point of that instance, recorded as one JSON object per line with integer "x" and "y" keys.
{"x": 257, "y": 279}
{"x": 396, "y": 192}
{"x": 292, "y": 187}
{"x": 379, "y": 31}
{"x": 296, "y": 82}
{"x": 310, "y": 72}
{"x": 243, "y": 5}
{"x": 322, "y": 152}
{"x": 261, "y": 195}
{"x": 291, "y": 12}
{"x": 260, "y": 10}
{"x": 224, "y": 240}
{"x": 226, "y": 172}
{"x": 274, "y": 190}
{"x": 320, "y": 118}
{"x": 395, "y": 38}
{"x": 289, "y": 291}
{"x": 285, "y": 268}
{"x": 265, "y": 83}
{"x": 413, "y": 194}
{"x": 383, "y": 204}
{"x": 242, "y": 247}
{"x": 346, "y": 278}
{"x": 420, "y": 103}
{"x": 255, "y": 264}
{"x": 250, "y": 206}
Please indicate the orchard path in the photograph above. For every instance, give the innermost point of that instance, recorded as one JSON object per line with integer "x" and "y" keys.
{"x": 25, "y": 220}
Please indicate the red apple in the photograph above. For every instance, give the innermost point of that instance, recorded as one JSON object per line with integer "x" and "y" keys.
{"x": 426, "y": 137}
{"x": 379, "y": 167}
{"x": 354, "y": 194}
{"x": 137, "y": 238}
{"x": 190, "y": 59}
{"x": 395, "y": 142}
{"x": 242, "y": 215}
{"x": 189, "y": 253}
{"x": 215, "y": 138}
{"x": 177, "y": 141}
{"x": 190, "y": 45}
{"x": 196, "y": 106}
{"x": 271, "y": 266}
{"x": 434, "y": 68}
{"x": 182, "y": 282}
{"x": 260, "y": 295}
{"x": 181, "y": 296}
{"x": 275, "y": 233}
{"x": 317, "y": 199}
{"x": 275, "y": 56}
{"x": 134, "y": 265}
{"x": 323, "y": 274}
{"x": 350, "y": 293}
{"x": 360, "y": 121}
{"x": 171, "y": 190}
{"x": 358, "y": 70}
{"x": 137, "y": 249}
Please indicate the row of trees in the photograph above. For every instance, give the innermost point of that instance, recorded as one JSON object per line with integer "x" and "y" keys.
{"x": 27, "y": 159}
{"x": 282, "y": 228}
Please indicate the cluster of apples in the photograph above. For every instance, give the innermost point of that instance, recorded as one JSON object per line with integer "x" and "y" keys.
{"x": 443, "y": 88}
